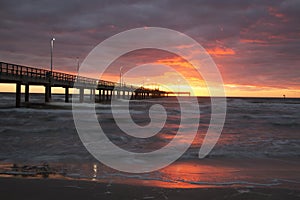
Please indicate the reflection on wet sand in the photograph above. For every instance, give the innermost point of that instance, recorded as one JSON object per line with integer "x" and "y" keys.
{"x": 181, "y": 174}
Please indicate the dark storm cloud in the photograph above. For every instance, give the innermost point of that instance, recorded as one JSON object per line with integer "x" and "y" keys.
{"x": 263, "y": 34}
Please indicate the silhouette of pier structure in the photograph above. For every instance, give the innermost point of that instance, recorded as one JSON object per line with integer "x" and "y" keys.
{"x": 23, "y": 75}
{"x": 179, "y": 93}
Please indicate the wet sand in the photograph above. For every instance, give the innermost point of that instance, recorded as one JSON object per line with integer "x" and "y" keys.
{"x": 205, "y": 173}
{"x": 25, "y": 188}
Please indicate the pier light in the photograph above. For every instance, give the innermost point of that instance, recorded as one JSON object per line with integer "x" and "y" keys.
{"x": 51, "y": 59}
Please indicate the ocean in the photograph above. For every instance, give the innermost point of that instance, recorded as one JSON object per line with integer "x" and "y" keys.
{"x": 259, "y": 145}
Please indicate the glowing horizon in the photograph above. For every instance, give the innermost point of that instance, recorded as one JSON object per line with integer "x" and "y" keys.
{"x": 168, "y": 80}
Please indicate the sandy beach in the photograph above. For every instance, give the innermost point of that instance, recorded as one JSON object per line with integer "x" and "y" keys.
{"x": 19, "y": 188}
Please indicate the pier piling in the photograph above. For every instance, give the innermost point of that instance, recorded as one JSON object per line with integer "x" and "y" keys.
{"x": 47, "y": 93}
{"x": 66, "y": 94}
{"x": 26, "y": 92}
{"x": 81, "y": 95}
{"x": 18, "y": 95}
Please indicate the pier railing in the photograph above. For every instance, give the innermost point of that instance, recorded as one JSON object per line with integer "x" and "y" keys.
{"x": 24, "y": 74}
{"x": 19, "y": 70}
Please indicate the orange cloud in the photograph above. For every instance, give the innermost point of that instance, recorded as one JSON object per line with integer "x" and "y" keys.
{"x": 274, "y": 12}
{"x": 174, "y": 62}
{"x": 253, "y": 41}
{"x": 186, "y": 69}
{"x": 221, "y": 51}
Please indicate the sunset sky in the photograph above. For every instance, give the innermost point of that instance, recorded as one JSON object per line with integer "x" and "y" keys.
{"x": 255, "y": 43}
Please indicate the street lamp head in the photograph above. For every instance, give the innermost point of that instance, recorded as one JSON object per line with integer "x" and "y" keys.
{"x": 53, "y": 39}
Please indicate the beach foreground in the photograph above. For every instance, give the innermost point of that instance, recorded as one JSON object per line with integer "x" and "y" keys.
{"x": 20, "y": 188}
{"x": 256, "y": 157}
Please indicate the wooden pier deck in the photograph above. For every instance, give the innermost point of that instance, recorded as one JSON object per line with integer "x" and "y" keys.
{"x": 104, "y": 90}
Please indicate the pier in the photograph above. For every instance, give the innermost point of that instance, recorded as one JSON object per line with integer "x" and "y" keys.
{"x": 179, "y": 93}
{"x": 100, "y": 89}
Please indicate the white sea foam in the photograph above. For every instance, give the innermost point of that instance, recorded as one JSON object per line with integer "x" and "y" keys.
{"x": 254, "y": 128}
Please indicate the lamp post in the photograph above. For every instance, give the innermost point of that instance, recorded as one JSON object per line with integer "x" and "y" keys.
{"x": 51, "y": 61}
{"x": 121, "y": 76}
{"x": 77, "y": 65}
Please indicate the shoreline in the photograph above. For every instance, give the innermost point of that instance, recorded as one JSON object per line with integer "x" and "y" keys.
{"x": 26, "y": 188}
{"x": 207, "y": 173}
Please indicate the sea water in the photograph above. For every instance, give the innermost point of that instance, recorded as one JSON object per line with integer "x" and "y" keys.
{"x": 259, "y": 144}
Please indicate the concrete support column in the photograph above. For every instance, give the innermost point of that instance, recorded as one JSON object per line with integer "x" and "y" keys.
{"x": 123, "y": 94}
{"x": 50, "y": 93}
{"x": 118, "y": 94}
{"x": 27, "y": 93}
{"x": 47, "y": 93}
{"x": 92, "y": 94}
{"x": 100, "y": 95}
{"x": 18, "y": 95}
{"x": 107, "y": 95}
{"x": 81, "y": 95}
{"x": 66, "y": 94}
{"x": 112, "y": 94}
